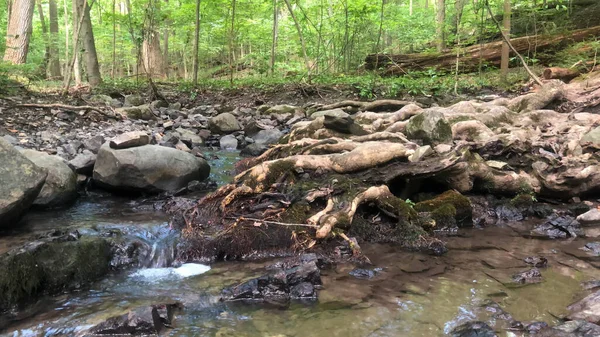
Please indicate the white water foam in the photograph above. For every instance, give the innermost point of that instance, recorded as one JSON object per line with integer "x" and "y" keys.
{"x": 157, "y": 274}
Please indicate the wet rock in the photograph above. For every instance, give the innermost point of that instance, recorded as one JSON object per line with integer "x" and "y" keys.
{"x": 94, "y": 143}
{"x": 290, "y": 280}
{"x": 593, "y": 248}
{"x": 10, "y": 139}
{"x": 590, "y": 217}
{"x": 150, "y": 320}
{"x": 473, "y": 329}
{"x": 364, "y": 273}
{"x": 21, "y": 182}
{"x": 430, "y": 126}
{"x": 60, "y": 187}
{"x": 591, "y": 285}
{"x": 336, "y": 113}
{"x": 571, "y": 329}
{"x": 130, "y": 139}
{"x": 54, "y": 263}
{"x": 253, "y": 150}
{"x": 228, "y": 142}
{"x": 148, "y": 168}
{"x": 267, "y": 137}
{"x": 558, "y": 227}
{"x": 224, "y": 123}
{"x": 532, "y": 275}
{"x": 536, "y": 261}
{"x": 535, "y": 327}
{"x": 83, "y": 163}
{"x": 253, "y": 127}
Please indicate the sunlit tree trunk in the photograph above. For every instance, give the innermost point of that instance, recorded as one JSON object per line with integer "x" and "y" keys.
{"x": 44, "y": 65}
{"x": 274, "y": 39}
{"x": 231, "y": 42}
{"x": 196, "y": 42}
{"x": 166, "y": 45}
{"x": 152, "y": 57}
{"x": 505, "y": 47}
{"x": 19, "y": 31}
{"x": 88, "y": 44}
{"x": 441, "y": 25}
{"x": 301, "y": 36}
{"x": 114, "y": 40}
{"x": 54, "y": 62}
{"x": 67, "y": 36}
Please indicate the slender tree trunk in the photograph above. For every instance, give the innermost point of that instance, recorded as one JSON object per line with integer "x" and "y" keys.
{"x": 196, "y": 42}
{"x": 274, "y": 40}
{"x": 114, "y": 41}
{"x": 166, "y": 45}
{"x": 89, "y": 45}
{"x": 8, "y": 12}
{"x": 44, "y": 66}
{"x": 504, "y": 61}
{"x": 19, "y": 31}
{"x": 152, "y": 57}
{"x": 77, "y": 22}
{"x": 426, "y": 4}
{"x": 381, "y": 17}
{"x": 231, "y": 42}
{"x": 410, "y": 7}
{"x": 54, "y": 65}
{"x": 67, "y": 36}
{"x": 441, "y": 25}
{"x": 301, "y": 36}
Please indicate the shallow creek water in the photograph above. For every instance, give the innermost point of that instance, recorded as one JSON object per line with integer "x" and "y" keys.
{"x": 413, "y": 295}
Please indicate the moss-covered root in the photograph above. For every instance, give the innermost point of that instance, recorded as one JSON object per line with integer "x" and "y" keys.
{"x": 448, "y": 209}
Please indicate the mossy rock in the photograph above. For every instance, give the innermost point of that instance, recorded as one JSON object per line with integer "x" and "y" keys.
{"x": 50, "y": 267}
{"x": 430, "y": 127}
{"x": 461, "y": 209}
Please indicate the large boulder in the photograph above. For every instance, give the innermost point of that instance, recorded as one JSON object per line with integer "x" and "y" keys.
{"x": 430, "y": 126}
{"x": 20, "y": 183}
{"x": 331, "y": 113}
{"x": 148, "y": 168}
{"x": 60, "y": 187}
{"x": 267, "y": 137}
{"x": 224, "y": 123}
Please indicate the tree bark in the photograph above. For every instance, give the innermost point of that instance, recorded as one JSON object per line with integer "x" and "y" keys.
{"x": 196, "y": 42}
{"x": 231, "y": 42}
{"x": 274, "y": 41}
{"x": 504, "y": 61}
{"x": 19, "y": 31}
{"x": 152, "y": 57}
{"x": 44, "y": 66}
{"x": 89, "y": 45}
{"x": 301, "y": 36}
{"x": 441, "y": 25}
{"x": 54, "y": 62}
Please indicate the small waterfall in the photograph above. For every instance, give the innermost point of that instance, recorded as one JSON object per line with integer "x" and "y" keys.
{"x": 162, "y": 253}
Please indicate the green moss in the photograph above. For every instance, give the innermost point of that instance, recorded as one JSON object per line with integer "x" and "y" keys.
{"x": 461, "y": 204}
{"x": 298, "y": 212}
{"x": 523, "y": 200}
{"x": 459, "y": 119}
{"x": 444, "y": 216}
{"x": 51, "y": 268}
{"x": 444, "y": 131}
{"x": 276, "y": 171}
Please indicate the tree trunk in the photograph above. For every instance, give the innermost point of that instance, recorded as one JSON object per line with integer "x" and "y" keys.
{"x": 231, "y": 42}
{"x": 274, "y": 40}
{"x": 441, "y": 25}
{"x": 152, "y": 57}
{"x": 505, "y": 47}
{"x": 114, "y": 40}
{"x": 196, "y": 42}
{"x": 67, "y": 67}
{"x": 44, "y": 65}
{"x": 88, "y": 44}
{"x": 166, "y": 45}
{"x": 19, "y": 31}
{"x": 301, "y": 36}
{"x": 54, "y": 62}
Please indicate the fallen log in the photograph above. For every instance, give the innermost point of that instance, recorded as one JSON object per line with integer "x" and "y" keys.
{"x": 490, "y": 53}
{"x": 563, "y": 74}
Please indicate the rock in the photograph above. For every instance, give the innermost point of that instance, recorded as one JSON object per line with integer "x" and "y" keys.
{"x": 591, "y": 285}
{"x": 430, "y": 126}
{"x": 148, "y": 168}
{"x": 536, "y": 261}
{"x": 20, "y": 183}
{"x": 577, "y": 328}
{"x": 280, "y": 109}
{"x": 267, "y": 137}
{"x": 60, "y": 187}
{"x": 532, "y": 275}
{"x": 558, "y": 227}
{"x": 150, "y": 320}
{"x": 94, "y": 143}
{"x": 591, "y": 138}
{"x": 228, "y": 142}
{"x": 295, "y": 280}
{"x": 586, "y": 309}
{"x": 10, "y": 139}
{"x": 339, "y": 113}
{"x": 473, "y": 329}
{"x": 223, "y": 124}
{"x": 420, "y": 153}
{"x": 83, "y": 163}
{"x": 253, "y": 150}
{"x": 593, "y": 248}
{"x": 590, "y": 217}
{"x": 364, "y": 273}
{"x": 133, "y": 100}
{"x": 189, "y": 137}
{"x": 471, "y": 131}
{"x": 447, "y": 209}
{"x": 130, "y": 139}
{"x": 142, "y": 112}
{"x": 55, "y": 263}
{"x": 157, "y": 104}
{"x": 344, "y": 125}
{"x": 253, "y": 127}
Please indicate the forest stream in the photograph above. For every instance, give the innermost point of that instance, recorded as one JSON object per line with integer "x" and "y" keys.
{"x": 401, "y": 294}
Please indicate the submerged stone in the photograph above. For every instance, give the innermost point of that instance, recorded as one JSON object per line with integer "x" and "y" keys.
{"x": 473, "y": 329}
{"x": 150, "y": 320}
